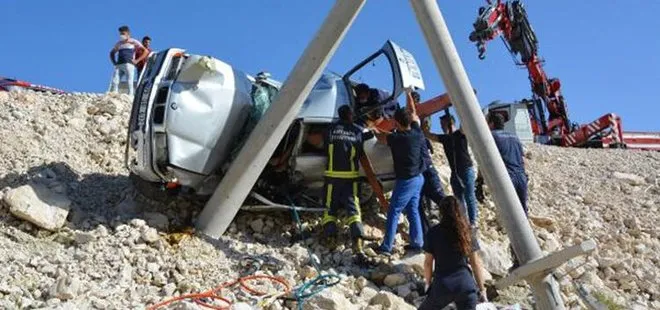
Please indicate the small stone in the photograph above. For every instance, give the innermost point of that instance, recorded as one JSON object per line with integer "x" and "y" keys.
{"x": 157, "y": 220}
{"x": 150, "y": 235}
{"x": 65, "y": 288}
{"x": 159, "y": 279}
{"x": 541, "y": 221}
{"x": 38, "y": 205}
{"x": 257, "y": 225}
{"x": 630, "y": 178}
{"x": 83, "y": 237}
{"x": 137, "y": 223}
{"x": 390, "y": 301}
{"x": 100, "y": 303}
{"x": 403, "y": 290}
{"x": 368, "y": 293}
{"x": 640, "y": 248}
{"x": 168, "y": 289}
{"x": 395, "y": 279}
{"x": 309, "y": 272}
{"x": 153, "y": 267}
{"x": 370, "y": 252}
{"x": 361, "y": 283}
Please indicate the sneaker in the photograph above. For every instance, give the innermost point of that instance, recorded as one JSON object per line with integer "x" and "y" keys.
{"x": 412, "y": 249}
{"x": 381, "y": 251}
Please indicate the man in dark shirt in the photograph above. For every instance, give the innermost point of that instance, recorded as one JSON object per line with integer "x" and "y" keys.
{"x": 432, "y": 187}
{"x": 406, "y": 146}
{"x": 345, "y": 151}
{"x": 463, "y": 175}
{"x": 511, "y": 151}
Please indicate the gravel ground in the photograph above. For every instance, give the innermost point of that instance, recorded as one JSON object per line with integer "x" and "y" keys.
{"x": 118, "y": 250}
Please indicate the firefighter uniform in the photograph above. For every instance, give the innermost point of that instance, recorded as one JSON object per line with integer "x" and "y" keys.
{"x": 344, "y": 148}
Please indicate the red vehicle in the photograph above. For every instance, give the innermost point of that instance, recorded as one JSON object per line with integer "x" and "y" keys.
{"x": 7, "y": 84}
{"x": 509, "y": 20}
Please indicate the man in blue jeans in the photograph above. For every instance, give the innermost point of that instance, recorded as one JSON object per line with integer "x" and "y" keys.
{"x": 406, "y": 146}
{"x": 432, "y": 187}
{"x": 463, "y": 175}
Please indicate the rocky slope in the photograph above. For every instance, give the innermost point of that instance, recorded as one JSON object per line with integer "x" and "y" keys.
{"x": 118, "y": 250}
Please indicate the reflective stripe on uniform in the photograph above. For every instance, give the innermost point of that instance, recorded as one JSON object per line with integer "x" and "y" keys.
{"x": 352, "y": 158}
{"x": 357, "y": 217}
{"x": 342, "y": 174}
{"x": 327, "y": 218}
{"x": 331, "y": 149}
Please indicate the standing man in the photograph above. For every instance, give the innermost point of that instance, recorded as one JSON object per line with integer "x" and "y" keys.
{"x": 463, "y": 175}
{"x": 342, "y": 185}
{"x": 432, "y": 187}
{"x": 125, "y": 49}
{"x": 511, "y": 151}
{"x": 406, "y": 144}
{"x": 146, "y": 42}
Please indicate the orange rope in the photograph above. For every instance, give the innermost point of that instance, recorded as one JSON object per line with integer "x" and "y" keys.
{"x": 215, "y": 293}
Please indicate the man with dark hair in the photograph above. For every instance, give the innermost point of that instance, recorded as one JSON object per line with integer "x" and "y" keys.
{"x": 146, "y": 42}
{"x": 432, "y": 187}
{"x": 125, "y": 63}
{"x": 345, "y": 150}
{"x": 463, "y": 175}
{"x": 406, "y": 145}
{"x": 512, "y": 154}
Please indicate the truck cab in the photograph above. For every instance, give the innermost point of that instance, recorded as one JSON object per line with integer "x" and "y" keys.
{"x": 516, "y": 117}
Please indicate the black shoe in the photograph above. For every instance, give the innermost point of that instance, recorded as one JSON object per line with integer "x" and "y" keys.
{"x": 362, "y": 260}
{"x": 382, "y": 252}
{"x": 412, "y": 249}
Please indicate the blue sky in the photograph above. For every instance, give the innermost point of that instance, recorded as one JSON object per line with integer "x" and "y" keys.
{"x": 604, "y": 52}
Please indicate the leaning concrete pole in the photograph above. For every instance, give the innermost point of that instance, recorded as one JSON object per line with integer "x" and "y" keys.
{"x": 546, "y": 290}
{"x": 237, "y": 183}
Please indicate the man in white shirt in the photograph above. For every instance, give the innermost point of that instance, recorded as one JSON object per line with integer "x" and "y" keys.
{"x": 125, "y": 63}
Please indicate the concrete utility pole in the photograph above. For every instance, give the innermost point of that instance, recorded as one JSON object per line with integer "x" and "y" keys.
{"x": 237, "y": 183}
{"x": 546, "y": 291}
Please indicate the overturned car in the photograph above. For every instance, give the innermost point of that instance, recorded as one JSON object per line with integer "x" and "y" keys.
{"x": 192, "y": 113}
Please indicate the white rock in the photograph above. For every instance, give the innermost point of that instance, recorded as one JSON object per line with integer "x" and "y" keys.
{"x": 330, "y": 299}
{"x": 496, "y": 257}
{"x": 38, "y": 205}
{"x": 390, "y": 301}
{"x": 138, "y": 223}
{"x": 65, "y": 288}
{"x": 414, "y": 262}
{"x": 632, "y": 179}
{"x": 257, "y": 225}
{"x": 150, "y": 235}
{"x": 395, "y": 279}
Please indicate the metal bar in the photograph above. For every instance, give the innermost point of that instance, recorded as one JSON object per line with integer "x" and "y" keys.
{"x": 237, "y": 183}
{"x": 547, "y": 263}
{"x": 546, "y": 290}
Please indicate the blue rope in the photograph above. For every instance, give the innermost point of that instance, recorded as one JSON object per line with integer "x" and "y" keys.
{"x": 319, "y": 283}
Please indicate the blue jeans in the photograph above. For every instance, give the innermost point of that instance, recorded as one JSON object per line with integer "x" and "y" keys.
{"x": 404, "y": 197}
{"x": 519, "y": 181}
{"x": 463, "y": 185}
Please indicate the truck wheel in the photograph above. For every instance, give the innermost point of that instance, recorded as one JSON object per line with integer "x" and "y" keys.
{"x": 150, "y": 190}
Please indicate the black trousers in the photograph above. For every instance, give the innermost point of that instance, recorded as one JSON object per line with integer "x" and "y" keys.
{"x": 431, "y": 189}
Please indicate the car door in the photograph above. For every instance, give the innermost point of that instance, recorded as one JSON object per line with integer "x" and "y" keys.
{"x": 403, "y": 66}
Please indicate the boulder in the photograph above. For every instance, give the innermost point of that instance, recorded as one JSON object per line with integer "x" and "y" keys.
{"x": 65, "y": 288}
{"x": 496, "y": 258}
{"x": 390, "y": 301}
{"x": 395, "y": 279}
{"x": 330, "y": 299}
{"x": 414, "y": 262}
{"x": 38, "y": 205}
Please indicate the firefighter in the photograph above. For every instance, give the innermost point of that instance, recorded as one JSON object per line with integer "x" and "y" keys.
{"x": 342, "y": 185}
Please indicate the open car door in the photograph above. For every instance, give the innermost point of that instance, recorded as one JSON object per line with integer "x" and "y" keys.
{"x": 404, "y": 69}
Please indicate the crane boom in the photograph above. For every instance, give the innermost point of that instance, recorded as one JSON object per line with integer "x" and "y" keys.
{"x": 509, "y": 20}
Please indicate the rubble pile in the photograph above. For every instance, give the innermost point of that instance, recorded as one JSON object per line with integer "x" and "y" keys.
{"x": 74, "y": 233}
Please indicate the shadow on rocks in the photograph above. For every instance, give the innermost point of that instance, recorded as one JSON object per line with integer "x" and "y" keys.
{"x": 99, "y": 199}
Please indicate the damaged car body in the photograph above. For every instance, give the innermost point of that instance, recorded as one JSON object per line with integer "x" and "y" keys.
{"x": 191, "y": 115}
